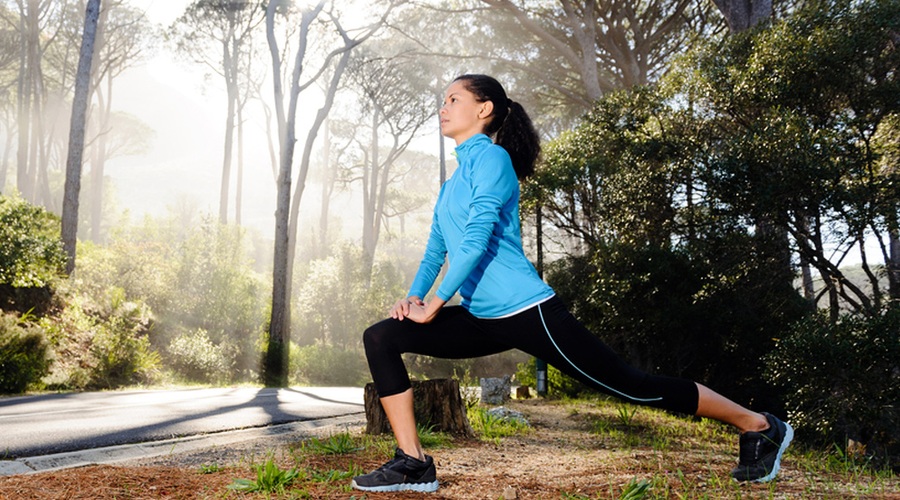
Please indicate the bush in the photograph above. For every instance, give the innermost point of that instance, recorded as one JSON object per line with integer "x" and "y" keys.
{"x": 558, "y": 383}
{"x": 195, "y": 357}
{"x": 842, "y": 380}
{"x": 31, "y": 254}
{"x": 320, "y": 364}
{"x": 23, "y": 355}
{"x": 101, "y": 346}
{"x": 122, "y": 349}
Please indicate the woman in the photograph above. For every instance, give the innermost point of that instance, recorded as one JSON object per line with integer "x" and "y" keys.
{"x": 506, "y": 305}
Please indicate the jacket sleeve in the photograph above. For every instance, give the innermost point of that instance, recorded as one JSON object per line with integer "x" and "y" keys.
{"x": 493, "y": 184}
{"x": 435, "y": 252}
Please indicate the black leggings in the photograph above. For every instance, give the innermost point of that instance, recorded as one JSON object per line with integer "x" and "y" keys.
{"x": 547, "y": 331}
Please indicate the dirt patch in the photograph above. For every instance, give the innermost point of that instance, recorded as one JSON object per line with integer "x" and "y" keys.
{"x": 575, "y": 450}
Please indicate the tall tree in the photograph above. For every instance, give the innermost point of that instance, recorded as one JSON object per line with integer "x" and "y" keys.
{"x": 396, "y": 97}
{"x": 76, "y": 134}
{"x": 288, "y": 204}
{"x": 217, "y": 33}
{"x": 123, "y": 35}
{"x": 570, "y": 53}
{"x": 37, "y": 23}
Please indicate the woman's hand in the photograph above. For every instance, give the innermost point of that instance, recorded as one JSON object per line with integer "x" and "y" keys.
{"x": 402, "y": 307}
{"x": 425, "y": 312}
{"x": 416, "y": 309}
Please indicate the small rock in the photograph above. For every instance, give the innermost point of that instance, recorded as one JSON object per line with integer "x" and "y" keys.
{"x": 505, "y": 413}
{"x": 495, "y": 390}
{"x": 509, "y": 493}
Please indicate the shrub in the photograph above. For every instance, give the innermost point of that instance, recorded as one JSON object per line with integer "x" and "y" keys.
{"x": 842, "y": 380}
{"x": 558, "y": 383}
{"x": 31, "y": 254}
{"x": 23, "y": 355}
{"x": 195, "y": 357}
{"x": 320, "y": 364}
{"x": 101, "y": 346}
{"x": 122, "y": 349}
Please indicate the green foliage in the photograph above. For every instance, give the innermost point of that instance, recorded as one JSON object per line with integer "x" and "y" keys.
{"x": 558, "y": 383}
{"x": 269, "y": 479}
{"x": 336, "y": 444}
{"x": 122, "y": 348}
{"x": 490, "y": 427}
{"x": 320, "y": 364}
{"x": 686, "y": 196}
{"x": 429, "y": 438}
{"x": 31, "y": 254}
{"x": 635, "y": 489}
{"x": 210, "y": 468}
{"x": 101, "y": 345}
{"x": 23, "y": 355}
{"x": 336, "y": 301}
{"x": 842, "y": 380}
{"x": 195, "y": 357}
{"x": 195, "y": 277}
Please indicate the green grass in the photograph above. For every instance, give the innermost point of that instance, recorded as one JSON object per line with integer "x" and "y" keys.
{"x": 269, "y": 479}
{"x": 490, "y": 427}
{"x": 336, "y": 444}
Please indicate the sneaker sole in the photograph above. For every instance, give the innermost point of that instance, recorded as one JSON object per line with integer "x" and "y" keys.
{"x": 788, "y": 436}
{"x": 419, "y": 487}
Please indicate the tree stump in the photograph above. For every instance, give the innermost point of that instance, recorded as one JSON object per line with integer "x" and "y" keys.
{"x": 437, "y": 404}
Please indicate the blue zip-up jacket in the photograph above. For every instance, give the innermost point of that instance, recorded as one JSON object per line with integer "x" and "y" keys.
{"x": 476, "y": 227}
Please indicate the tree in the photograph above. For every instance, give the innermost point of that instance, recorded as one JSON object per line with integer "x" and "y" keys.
{"x": 287, "y": 209}
{"x": 398, "y": 103}
{"x": 798, "y": 151}
{"x": 218, "y": 33}
{"x": 568, "y": 54}
{"x": 38, "y": 24}
{"x": 123, "y": 35}
{"x": 76, "y": 134}
{"x": 8, "y": 59}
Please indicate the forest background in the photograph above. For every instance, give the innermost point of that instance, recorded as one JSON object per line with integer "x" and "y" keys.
{"x": 717, "y": 197}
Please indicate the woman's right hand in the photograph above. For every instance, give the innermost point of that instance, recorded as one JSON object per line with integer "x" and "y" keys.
{"x": 401, "y": 308}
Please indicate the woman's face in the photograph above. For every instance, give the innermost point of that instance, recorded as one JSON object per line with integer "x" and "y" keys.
{"x": 462, "y": 116}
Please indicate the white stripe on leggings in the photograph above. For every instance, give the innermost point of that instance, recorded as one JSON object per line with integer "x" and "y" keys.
{"x": 541, "y": 312}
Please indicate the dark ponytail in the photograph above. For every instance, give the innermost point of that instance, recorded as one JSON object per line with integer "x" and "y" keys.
{"x": 511, "y": 126}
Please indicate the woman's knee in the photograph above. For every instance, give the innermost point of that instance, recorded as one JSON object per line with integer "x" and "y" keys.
{"x": 376, "y": 336}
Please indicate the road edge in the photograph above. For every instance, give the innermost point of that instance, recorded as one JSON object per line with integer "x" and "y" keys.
{"x": 151, "y": 449}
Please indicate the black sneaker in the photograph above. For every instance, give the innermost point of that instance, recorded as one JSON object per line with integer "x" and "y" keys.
{"x": 761, "y": 452}
{"x": 402, "y": 473}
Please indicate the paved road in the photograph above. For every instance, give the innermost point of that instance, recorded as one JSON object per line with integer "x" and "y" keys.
{"x": 55, "y": 423}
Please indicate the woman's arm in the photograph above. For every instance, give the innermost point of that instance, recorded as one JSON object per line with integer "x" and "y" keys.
{"x": 493, "y": 184}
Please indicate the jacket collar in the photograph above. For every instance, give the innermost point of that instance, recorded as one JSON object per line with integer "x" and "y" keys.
{"x": 472, "y": 143}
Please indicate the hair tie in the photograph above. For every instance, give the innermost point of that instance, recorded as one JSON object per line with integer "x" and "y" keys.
{"x": 509, "y": 103}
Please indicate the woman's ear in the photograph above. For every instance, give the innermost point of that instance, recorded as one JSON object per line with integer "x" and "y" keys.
{"x": 487, "y": 109}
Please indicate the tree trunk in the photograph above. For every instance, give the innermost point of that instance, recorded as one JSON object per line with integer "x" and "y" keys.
{"x": 328, "y": 181}
{"x": 893, "y": 265}
{"x": 275, "y": 368}
{"x": 370, "y": 199}
{"x": 239, "y": 184}
{"x": 742, "y": 15}
{"x": 231, "y": 86}
{"x": 76, "y": 134}
{"x": 4, "y": 163}
{"x": 98, "y": 164}
{"x": 437, "y": 405}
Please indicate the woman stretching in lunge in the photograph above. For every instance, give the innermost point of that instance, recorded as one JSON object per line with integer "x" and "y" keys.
{"x": 506, "y": 305}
